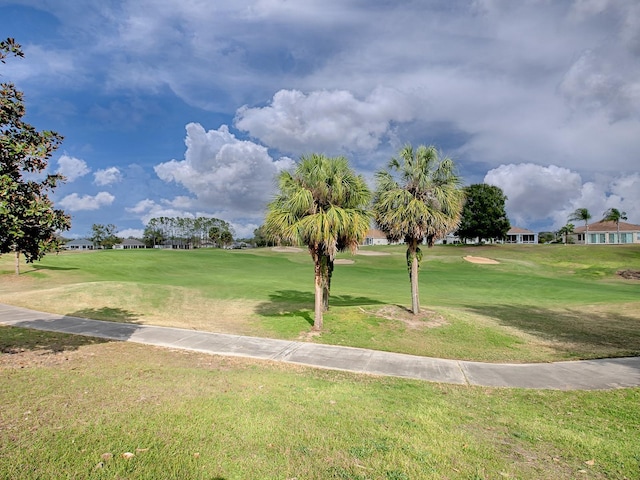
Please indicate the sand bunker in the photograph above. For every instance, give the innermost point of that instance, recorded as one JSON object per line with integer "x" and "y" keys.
{"x": 371, "y": 253}
{"x": 287, "y": 249}
{"x": 485, "y": 261}
{"x": 344, "y": 261}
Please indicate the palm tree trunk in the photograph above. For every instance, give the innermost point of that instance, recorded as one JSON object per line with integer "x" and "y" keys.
{"x": 618, "y": 228}
{"x": 413, "y": 274}
{"x": 326, "y": 291}
{"x": 319, "y": 291}
{"x": 586, "y": 235}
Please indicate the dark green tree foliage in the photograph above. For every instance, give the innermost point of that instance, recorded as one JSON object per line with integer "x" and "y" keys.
{"x": 104, "y": 235}
{"x": 483, "y": 215}
{"x": 28, "y": 220}
{"x": 188, "y": 232}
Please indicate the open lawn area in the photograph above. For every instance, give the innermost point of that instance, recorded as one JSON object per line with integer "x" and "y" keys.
{"x": 75, "y": 407}
{"x": 539, "y": 303}
{"x": 72, "y": 406}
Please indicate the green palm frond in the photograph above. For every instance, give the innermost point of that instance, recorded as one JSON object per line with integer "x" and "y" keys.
{"x": 322, "y": 202}
{"x": 418, "y": 196}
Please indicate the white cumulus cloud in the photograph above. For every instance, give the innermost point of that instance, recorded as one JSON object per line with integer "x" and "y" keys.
{"x": 131, "y": 233}
{"x": 72, "y": 168}
{"x": 75, "y": 202}
{"x": 107, "y": 176}
{"x": 224, "y": 173}
{"x": 147, "y": 209}
{"x": 324, "y": 121}
{"x": 550, "y": 193}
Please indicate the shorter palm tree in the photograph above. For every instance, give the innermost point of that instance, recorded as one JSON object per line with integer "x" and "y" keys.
{"x": 323, "y": 205}
{"x": 565, "y": 231}
{"x": 582, "y": 215}
{"x": 615, "y": 215}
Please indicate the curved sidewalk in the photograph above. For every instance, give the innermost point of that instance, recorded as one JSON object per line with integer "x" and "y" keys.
{"x": 577, "y": 375}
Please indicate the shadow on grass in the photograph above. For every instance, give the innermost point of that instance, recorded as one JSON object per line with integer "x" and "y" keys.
{"x": 16, "y": 340}
{"x": 578, "y": 333}
{"x": 48, "y": 267}
{"x": 119, "y": 315}
{"x": 296, "y": 303}
{"x": 59, "y": 333}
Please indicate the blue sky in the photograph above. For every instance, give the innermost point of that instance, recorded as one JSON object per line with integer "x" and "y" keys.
{"x": 191, "y": 107}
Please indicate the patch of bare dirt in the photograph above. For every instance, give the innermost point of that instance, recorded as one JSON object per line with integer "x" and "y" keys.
{"x": 629, "y": 274}
{"x": 24, "y": 358}
{"x": 309, "y": 335}
{"x": 425, "y": 319}
{"x": 481, "y": 260}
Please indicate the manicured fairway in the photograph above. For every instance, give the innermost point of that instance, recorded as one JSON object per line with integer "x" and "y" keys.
{"x": 539, "y": 303}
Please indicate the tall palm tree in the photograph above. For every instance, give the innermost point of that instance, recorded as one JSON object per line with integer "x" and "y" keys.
{"x": 418, "y": 197}
{"x": 321, "y": 204}
{"x": 615, "y": 215}
{"x": 583, "y": 215}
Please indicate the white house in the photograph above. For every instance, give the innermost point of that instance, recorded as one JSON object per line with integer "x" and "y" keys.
{"x": 375, "y": 237}
{"x": 521, "y": 235}
{"x": 79, "y": 244}
{"x": 606, "y": 233}
{"x": 129, "y": 243}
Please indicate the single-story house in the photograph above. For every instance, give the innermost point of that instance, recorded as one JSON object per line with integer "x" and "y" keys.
{"x": 521, "y": 235}
{"x": 606, "y": 233}
{"x": 79, "y": 244}
{"x": 129, "y": 243}
{"x": 176, "y": 244}
{"x": 375, "y": 237}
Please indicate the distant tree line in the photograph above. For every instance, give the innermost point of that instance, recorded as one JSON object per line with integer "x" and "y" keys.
{"x": 188, "y": 232}
{"x": 104, "y": 235}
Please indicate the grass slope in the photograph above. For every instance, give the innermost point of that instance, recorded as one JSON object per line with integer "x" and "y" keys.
{"x": 540, "y": 303}
{"x": 71, "y": 407}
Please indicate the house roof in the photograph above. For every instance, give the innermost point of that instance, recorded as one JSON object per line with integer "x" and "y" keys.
{"x": 516, "y": 230}
{"x": 79, "y": 241}
{"x": 131, "y": 241}
{"x": 375, "y": 233}
{"x": 608, "y": 227}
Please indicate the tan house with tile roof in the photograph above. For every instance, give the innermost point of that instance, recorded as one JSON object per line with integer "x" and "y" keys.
{"x": 521, "y": 235}
{"x": 606, "y": 233}
{"x": 375, "y": 237}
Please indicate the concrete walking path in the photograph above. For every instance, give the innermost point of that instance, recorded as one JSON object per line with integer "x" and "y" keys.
{"x": 575, "y": 375}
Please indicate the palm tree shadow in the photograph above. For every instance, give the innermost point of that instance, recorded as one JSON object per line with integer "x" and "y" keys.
{"x": 295, "y": 303}
{"x": 110, "y": 314}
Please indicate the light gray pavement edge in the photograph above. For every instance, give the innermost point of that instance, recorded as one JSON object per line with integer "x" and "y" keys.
{"x": 575, "y": 375}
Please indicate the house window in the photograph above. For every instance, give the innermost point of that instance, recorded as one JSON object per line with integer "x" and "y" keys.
{"x": 612, "y": 238}
{"x": 626, "y": 238}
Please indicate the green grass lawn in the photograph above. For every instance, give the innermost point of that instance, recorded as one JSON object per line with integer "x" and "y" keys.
{"x": 540, "y": 303}
{"x": 72, "y": 406}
